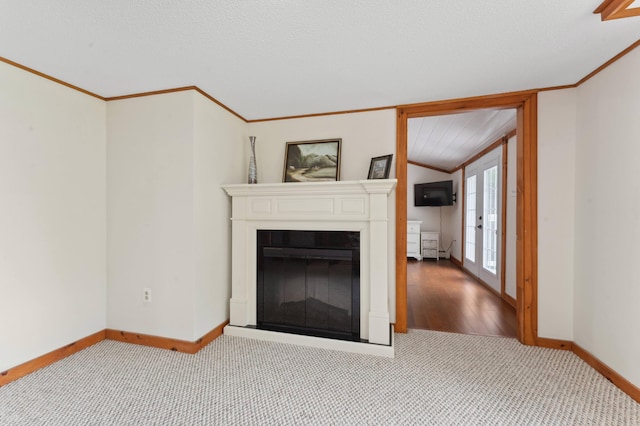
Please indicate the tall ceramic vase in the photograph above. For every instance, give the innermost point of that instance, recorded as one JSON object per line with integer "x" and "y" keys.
{"x": 253, "y": 169}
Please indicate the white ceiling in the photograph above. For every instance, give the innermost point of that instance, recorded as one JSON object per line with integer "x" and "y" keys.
{"x": 274, "y": 58}
{"x": 447, "y": 141}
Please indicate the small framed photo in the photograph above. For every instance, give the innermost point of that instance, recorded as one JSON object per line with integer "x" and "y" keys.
{"x": 312, "y": 161}
{"x": 380, "y": 167}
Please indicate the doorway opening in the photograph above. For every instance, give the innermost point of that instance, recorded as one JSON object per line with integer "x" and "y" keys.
{"x": 472, "y": 153}
{"x": 525, "y": 104}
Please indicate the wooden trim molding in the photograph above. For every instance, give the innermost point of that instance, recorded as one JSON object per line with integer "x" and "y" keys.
{"x": 47, "y": 359}
{"x": 401, "y": 222}
{"x": 141, "y": 339}
{"x": 116, "y": 98}
{"x": 321, "y": 114}
{"x": 527, "y": 221}
{"x": 526, "y": 252}
{"x": 453, "y": 107}
{"x": 609, "y": 62}
{"x": 48, "y": 77}
{"x": 455, "y": 262}
{"x": 177, "y": 89}
{"x": 509, "y": 135}
{"x": 503, "y": 224}
{"x": 616, "y": 9}
{"x": 481, "y": 282}
{"x": 564, "y": 345}
{"x": 164, "y": 342}
{"x": 220, "y": 104}
{"x": 510, "y": 300}
{"x": 152, "y": 93}
{"x": 426, "y": 166}
{"x": 611, "y": 375}
{"x": 495, "y": 144}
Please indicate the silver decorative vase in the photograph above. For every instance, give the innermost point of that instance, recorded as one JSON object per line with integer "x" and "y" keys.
{"x": 253, "y": 169}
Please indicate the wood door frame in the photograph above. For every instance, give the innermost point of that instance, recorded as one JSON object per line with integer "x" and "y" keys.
{"x": 526, "y": 104}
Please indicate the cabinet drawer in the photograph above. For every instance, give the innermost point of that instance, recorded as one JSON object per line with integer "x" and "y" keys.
{"x": 430, "y": 235}
{"x": 429, "y": 244}
{"x": 413, "y": 228}
{"x": 413, "y": 247}
{"x": 413, "y": 238}
{"x": 430, "y": 253}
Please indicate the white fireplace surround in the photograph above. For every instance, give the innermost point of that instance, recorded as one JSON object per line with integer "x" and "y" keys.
{"x": 360, "y": 206}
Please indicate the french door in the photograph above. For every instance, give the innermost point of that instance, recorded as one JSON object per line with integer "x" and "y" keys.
{"x": 482, "y": 218}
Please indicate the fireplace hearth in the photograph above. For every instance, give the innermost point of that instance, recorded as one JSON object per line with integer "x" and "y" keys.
{"x": 309, "y": 283}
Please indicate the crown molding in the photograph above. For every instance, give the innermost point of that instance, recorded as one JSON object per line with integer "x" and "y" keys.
{"x": 177, "y": 89}
{"x": 214, "y": 100}
{"x": 260, "y": 120}
{"x": 48, "y": 77}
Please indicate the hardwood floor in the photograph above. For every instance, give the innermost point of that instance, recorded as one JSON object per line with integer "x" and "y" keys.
{"x": 442, "y": 297}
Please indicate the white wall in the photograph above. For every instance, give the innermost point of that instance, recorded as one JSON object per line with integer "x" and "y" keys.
{"x": 52, "y": 220}
{"x": 150, "y": 214}
{"x": 452, "y": 222}
{"x": 364, "y": 135}
{"x": 556, "y": 212}
{"x": 607, "y": 212}
{"x": 445, "y": 219}
{"x": 218, "y": 159}
{"x": 168, "y": 218}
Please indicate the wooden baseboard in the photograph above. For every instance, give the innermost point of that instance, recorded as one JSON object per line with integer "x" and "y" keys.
{"x": 22, "y": 370}
{"x": 615, "y": 378}
{"x": 480, "y": 281}
{"x": 165, "y": 342}
{"x": 554, "y": 343}
{"x": 212, "y": 335}
{"x": 49, "y": 358}
{"x": 121, "y": 336}
{"x": 455, "y": 262}
{"x": 510, "y": 300}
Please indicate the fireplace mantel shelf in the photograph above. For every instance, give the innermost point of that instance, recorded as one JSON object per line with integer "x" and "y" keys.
{"x": 362, "y": 206}
{"x": 375, "y": 186}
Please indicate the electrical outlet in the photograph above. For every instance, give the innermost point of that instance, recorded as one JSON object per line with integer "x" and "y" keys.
{"x": 146, "y": 295}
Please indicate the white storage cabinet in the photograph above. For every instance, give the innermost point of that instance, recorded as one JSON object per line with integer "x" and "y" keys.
{"x": 430, "y": 242}
{"x": 413, "y": 239}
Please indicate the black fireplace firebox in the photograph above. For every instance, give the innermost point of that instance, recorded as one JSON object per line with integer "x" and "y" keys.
{"x": 309, "y": 283}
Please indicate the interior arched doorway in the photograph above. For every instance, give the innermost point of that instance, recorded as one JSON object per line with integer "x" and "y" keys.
{"x": 526, "y": 214}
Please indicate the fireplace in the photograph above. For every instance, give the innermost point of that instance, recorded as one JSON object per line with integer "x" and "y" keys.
{"x": 356, "y": 210}
{"x": 308, "y": 282}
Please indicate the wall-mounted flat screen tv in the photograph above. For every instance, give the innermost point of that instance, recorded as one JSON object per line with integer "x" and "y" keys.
{"x": 433, "y": 193}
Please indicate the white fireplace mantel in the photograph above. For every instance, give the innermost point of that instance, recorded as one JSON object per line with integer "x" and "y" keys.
{"x": 360, "y": 206}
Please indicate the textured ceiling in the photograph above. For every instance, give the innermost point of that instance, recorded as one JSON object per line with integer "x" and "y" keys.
{"x": 268, "y": 58}
{"x": 447, "y": 141}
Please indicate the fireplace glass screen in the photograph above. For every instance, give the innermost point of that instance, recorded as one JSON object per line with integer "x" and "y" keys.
{"x": 309, "y": 283}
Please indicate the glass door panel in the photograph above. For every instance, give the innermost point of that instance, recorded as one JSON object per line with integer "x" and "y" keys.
{"x": 490, "y": 216}
{"x": 483, "y": 193}
{"x": 470, "y": 219}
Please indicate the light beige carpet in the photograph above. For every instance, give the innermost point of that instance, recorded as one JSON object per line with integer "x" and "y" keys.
{"x": 436, "y": 378}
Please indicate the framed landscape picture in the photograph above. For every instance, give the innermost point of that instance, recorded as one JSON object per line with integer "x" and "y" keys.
{"x": 380, "y": 167}
{"x": 312, "y": 161}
